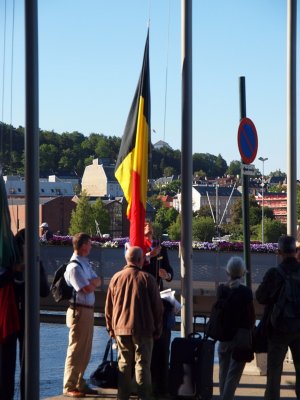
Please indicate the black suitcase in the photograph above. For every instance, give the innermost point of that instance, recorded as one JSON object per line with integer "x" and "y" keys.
{"x": 191, "y": 367}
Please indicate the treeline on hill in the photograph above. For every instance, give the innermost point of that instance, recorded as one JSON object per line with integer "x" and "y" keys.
{"x": 70, "y": 152}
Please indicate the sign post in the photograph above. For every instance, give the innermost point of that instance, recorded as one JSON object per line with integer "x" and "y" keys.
{"x": 248, "y": 143}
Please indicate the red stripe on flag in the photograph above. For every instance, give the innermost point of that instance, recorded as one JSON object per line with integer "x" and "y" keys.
{"x": 137, "y": 213}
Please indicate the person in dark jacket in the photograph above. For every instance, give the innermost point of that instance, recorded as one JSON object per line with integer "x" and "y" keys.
{"x": 279, "y": 339}
{"x": 8, "y": 348}
{"x": 231, "y": 361}
{"x": 157, "y": 264}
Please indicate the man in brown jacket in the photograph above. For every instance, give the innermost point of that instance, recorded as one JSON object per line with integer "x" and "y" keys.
{"x": 133, "y": 313}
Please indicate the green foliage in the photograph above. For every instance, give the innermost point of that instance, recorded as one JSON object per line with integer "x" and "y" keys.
{"x": 277, "y": 172}
{"x": 273, "y": 229}
{"x": 165, "y": 217}
{"x": 203, "y": 229}
{"x": 210, "y": 164}
{"x": 82, "y": 217}
{"x": 277, "y": 188}
{"x": 155, "y": 202}
{"x": 234, "y": 168}
{"x": 174, "y": 230}
{"x": 171, "y": 188}
{"x": 204, "y": 211}
{"x": 169, "y": 171}
{"x": 101, "y": 215}
{"x": 235, "y": 230}
{"x": 255, "y": 212}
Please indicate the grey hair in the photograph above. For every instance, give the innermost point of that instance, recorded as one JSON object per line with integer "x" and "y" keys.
{"x": 236, "y": 267}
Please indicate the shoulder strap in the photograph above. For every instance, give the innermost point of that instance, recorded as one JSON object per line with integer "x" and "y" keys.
{"x": 74, "y": 291}
{"x": 76, "y": 262}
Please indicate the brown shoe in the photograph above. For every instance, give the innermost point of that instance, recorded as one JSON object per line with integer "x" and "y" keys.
{"x": 74, "y": 394}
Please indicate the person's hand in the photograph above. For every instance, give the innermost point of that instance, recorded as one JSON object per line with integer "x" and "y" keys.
{"x": 96, "y": 281}
{"x": 155, "y": 252}
{"x": 163, "y": 274}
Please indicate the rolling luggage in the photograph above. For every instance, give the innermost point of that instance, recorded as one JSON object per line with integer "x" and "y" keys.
{"x": 191, "y": 367}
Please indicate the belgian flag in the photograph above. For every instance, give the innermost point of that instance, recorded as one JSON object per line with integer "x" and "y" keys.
{"x": 132, "y": 164}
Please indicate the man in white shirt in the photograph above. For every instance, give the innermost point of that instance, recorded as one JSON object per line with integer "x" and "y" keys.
{"x": 80, "y": 317}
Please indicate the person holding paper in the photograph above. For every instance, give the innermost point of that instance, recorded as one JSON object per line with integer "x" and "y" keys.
{"x": 157, "y": 264}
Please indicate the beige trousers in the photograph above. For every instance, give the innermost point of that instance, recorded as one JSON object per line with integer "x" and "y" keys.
{"x": 134, "y": 355}
{"x": 81, "y": 325}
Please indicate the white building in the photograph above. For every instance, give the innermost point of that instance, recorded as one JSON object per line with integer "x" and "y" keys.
{"x": 99, "y": 179}
{"x": 15, "y": 186}
{"x": 216, "y": 197}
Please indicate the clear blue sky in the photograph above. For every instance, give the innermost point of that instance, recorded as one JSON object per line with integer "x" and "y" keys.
{"x": 90, "y": 56}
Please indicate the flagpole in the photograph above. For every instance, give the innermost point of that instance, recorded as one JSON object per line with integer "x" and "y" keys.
{"x": 32, "y": 272}
{"x": 186, "y": 169}
{"x": 291, "y": 117}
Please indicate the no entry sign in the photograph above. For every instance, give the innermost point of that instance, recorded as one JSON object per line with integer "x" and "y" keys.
{"x": 247, "y": 140}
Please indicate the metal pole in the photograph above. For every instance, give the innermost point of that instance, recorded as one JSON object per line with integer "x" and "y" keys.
{"x": 245, "y": 194}
{"x": 186, "y": 170}
{"x": 32, "y": 271}
{"x": 262, "y": 210}
{"x": 262, "y": 159}
{"x": 291, "y": 118}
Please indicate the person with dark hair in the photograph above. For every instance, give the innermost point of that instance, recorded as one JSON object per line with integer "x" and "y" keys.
{"x": 286, "y": 333}
{"x": 157, "y": 264}
{"x": 8, "y": 348}
{"x": 133, "y": 313}
{"x": 80, "y": 317}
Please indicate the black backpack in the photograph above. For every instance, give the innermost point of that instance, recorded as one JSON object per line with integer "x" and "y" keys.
{"x": 221, "y": 325}
{"x": 285, "y": 315}
{"x": 60, "y": 289}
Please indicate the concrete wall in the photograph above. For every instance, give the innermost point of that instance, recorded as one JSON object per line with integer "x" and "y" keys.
{"x": 208, "y": 267}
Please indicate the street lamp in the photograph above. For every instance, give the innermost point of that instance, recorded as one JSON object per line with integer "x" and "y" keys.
{"x": 262, "y": 159}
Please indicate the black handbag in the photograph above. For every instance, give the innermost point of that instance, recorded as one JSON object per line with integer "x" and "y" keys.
{"x": 106, "y": 374}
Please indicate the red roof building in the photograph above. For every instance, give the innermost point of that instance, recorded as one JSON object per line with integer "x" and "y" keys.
{"x": 277, "y": 202}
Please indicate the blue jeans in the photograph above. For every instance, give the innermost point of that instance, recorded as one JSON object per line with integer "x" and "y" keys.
{"x": 134, "y": 354}
{"x": 230, "y": 371}
{"x": 278, "y": 344}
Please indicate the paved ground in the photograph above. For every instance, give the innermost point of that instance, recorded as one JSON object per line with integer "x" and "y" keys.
{"x": 251, "y": 387}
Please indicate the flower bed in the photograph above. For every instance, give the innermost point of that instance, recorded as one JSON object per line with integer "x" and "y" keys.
{"x": 220, "y": 246}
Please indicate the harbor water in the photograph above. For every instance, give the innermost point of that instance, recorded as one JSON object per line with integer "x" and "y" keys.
{"x": 53, "y": 345}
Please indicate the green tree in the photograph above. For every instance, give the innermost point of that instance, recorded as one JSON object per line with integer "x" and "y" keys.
{"x": 49, "y": 157}
{"x": 234, "y": 168}
{"x": 174, "y": 230}
{"x": 155, "y": 202}
{"x": 101, "y": 215}
{"x": 255, "y": 212}
{"x": 165, "y": 217}
{"x": 199, "y": 174}
{"x": 169, "y": 171}
{"x": 273, "y": 229}
{"x": 203, "y": 229}
{"x": 205, "y": 211}
{"x": 82, "y": 219}
{"x": 277, "y": 172}
{"x": 172, "y": 188}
